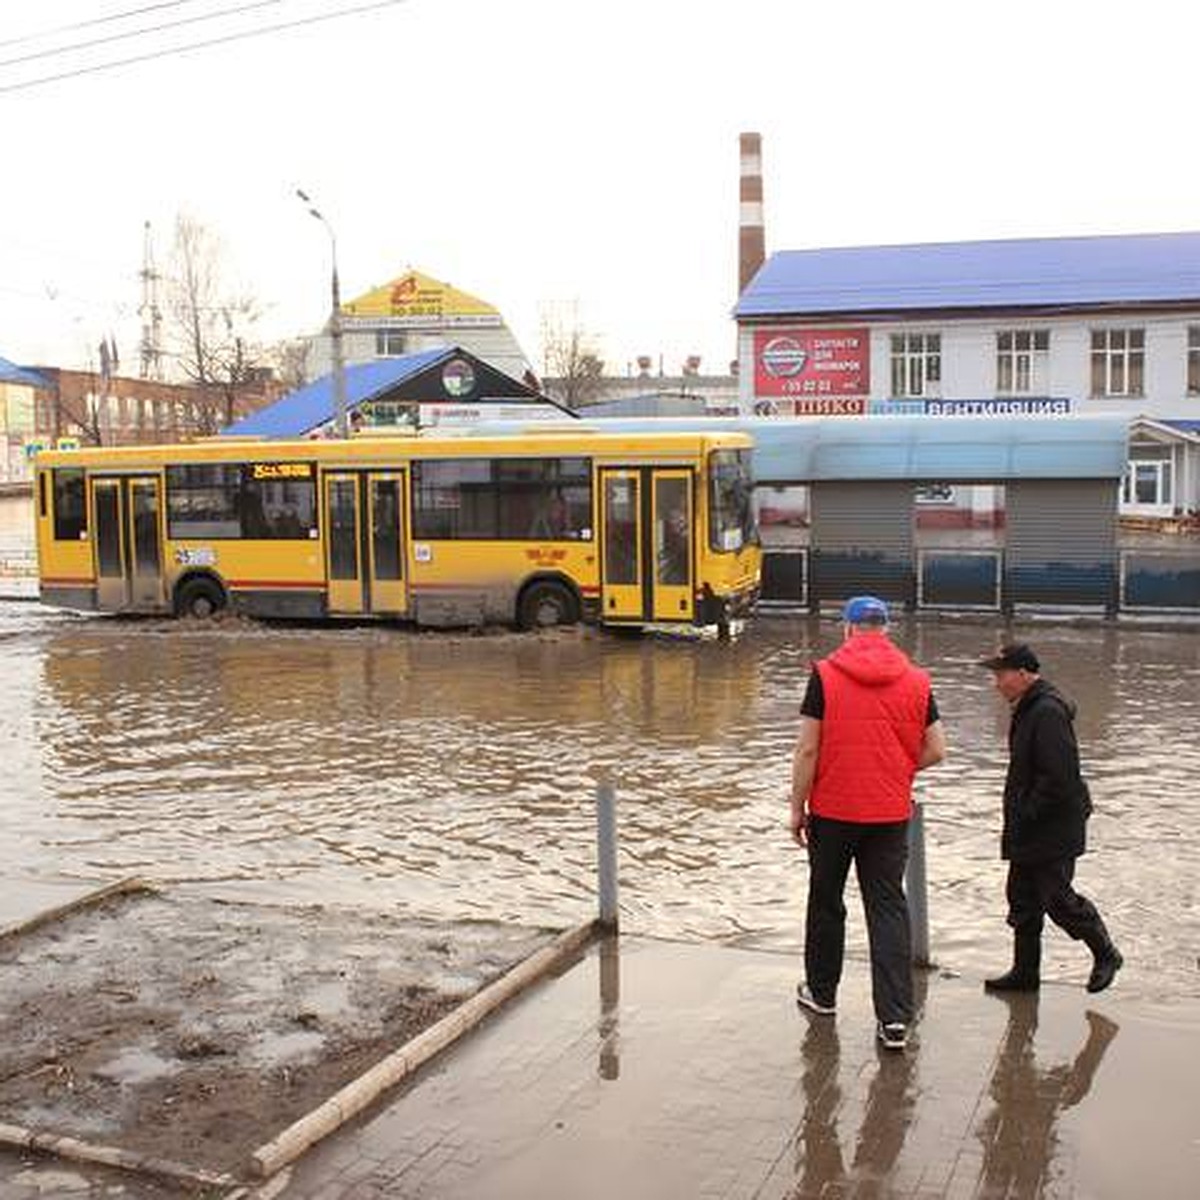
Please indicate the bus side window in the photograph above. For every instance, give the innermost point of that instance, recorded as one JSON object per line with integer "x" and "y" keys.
{"x": 70, "y": 509}
{"x": 42, "y": 494}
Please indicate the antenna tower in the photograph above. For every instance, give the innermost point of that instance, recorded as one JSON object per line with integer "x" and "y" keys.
{"x": 148, "y": 310}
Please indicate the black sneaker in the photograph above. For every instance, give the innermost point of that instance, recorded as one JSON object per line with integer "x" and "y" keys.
{"x": 893, "y": 1035}
{"x": 806, "y": 999}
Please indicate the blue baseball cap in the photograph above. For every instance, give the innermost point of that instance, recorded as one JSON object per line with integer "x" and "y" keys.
{"x": 865, "y": 610}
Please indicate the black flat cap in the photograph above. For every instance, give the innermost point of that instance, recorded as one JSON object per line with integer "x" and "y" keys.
{"x": 1014, "y": 657}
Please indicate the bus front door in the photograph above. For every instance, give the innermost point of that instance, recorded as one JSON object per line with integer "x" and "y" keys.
{"x": 364, "y": 516}
{"x": 673, "y": 591}
{"x": 647, "y": 530}
{"x": 127, "y": 543}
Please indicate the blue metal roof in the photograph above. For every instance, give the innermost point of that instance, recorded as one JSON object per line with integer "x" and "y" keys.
{"x": 1184, "y": 426}
{"x": 313, "y": 405}
{"x": 1030, "y": 272}
{"x": 923, "y": 449}
{"x": 11, "y": 373}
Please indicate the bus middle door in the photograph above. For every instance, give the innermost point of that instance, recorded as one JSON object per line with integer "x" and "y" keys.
{"x": 127, "y": 543}
{"x": 365, "y": 518}
{"x": 387, "y": 589}
{"x": 343, "y": 550}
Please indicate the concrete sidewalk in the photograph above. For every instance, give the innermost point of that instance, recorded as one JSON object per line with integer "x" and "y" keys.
{"x": 667, "y": 1070}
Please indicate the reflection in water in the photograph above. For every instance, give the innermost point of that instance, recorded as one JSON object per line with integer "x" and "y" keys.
{"x": 610, "y": 1006}
{"x": 820, "y": 1162}
{"x": 1019, "y": 1136}
{"x": 454, "y": 776}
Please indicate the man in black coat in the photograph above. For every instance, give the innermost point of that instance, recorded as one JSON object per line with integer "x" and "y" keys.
{"x": 1046, "y": 807}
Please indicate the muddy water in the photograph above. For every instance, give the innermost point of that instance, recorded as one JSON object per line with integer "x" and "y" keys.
{"x": 452, "y": 776}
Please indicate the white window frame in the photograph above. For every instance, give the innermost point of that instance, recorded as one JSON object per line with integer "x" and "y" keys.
{"x": 1193, "y": 360}
{"x": 1115, "y": 355}
{"x": 1022, "y": 362}
{"x": 916, "y": 365}
{"x": 1161, "y": 471}
{"x": 390, "y": 343}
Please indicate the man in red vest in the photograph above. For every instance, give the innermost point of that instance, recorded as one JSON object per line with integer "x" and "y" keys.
{"x": 868, "y": 724}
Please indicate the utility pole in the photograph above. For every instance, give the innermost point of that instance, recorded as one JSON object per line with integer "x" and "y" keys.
{"x": 335, "y": 323}
{"x": 150, "y": 366}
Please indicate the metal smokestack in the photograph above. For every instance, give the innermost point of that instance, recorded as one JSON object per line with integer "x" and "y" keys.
{"x": 751, "y": 236}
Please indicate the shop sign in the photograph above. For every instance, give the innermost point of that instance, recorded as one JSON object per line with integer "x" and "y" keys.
{"x": 1018, "y": 406}
{"x": 812, "y": 406}
{"x": 812, "y": 362}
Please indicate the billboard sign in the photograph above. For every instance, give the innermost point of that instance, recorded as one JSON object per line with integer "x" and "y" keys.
{"x": 812, "y": 362}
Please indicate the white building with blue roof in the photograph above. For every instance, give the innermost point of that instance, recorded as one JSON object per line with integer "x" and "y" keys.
{"x": 1047, "y": 326}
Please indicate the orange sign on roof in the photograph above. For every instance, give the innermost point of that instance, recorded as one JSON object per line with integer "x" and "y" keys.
{"x": 419, "y": 300}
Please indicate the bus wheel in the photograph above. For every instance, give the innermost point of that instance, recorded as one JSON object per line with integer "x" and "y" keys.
{"x": 545, "y": 604}
{"x": 199, "y": 598}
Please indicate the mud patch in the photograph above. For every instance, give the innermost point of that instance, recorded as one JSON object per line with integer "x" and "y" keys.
{"x": 195, "y": 1030}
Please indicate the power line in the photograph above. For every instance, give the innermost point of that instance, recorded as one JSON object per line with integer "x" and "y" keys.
{"x": 185, "y": 49}
{"x": 141, "y": 31}
{"x": 121, "y": 16}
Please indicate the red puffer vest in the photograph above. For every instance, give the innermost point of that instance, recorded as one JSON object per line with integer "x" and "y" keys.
{"x": 876, "y": 704}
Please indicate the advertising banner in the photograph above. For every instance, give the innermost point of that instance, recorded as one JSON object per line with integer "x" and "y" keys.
{"x": 812, "y": 362}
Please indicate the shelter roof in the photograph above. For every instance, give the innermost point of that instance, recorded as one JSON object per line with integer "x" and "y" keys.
{"x": 921, "y": 448}
{"x": 1018, "y": 273}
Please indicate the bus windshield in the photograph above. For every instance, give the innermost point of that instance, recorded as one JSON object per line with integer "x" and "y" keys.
{"x": 731, "y": 520}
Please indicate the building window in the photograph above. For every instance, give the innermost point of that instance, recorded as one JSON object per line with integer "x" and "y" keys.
{"x": 916, "y": 364}
{"x": 389, "y": 343}
{"x": 1021, "y": 358}
{"x": 1193, "y": 366}
{"x": 1118, "y": 361}
{"x": 1147, "y": 484}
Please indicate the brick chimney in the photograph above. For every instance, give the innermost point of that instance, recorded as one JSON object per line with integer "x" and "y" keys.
{"x": 751, "y": 238}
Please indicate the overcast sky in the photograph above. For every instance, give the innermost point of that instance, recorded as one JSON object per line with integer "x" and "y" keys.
{"x": 569, "y": 154}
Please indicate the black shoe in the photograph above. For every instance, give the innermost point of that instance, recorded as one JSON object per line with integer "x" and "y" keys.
{"x": 1108, "y": 962}
{"x": 1013, "y": 981}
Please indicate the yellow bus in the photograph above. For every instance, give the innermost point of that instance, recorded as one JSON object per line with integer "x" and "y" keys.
{"x": 540, "y": 529}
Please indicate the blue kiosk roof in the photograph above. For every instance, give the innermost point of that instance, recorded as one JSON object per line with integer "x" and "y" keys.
{"x": 920, "y": 448}
{"x": 1019, "y": 273}
{"x": 313, "y": 405}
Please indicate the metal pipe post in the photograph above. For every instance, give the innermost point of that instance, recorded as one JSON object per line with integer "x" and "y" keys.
{"x": 606, "y": 853}
{"x": 339, "y": 362}
{"x": 917, "y": 886}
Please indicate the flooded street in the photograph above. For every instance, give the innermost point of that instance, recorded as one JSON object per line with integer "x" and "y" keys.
{"x": 450, "y": 776}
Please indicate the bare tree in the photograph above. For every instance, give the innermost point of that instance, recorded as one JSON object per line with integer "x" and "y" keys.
{"x": 289, "y": 360}
{"x": 213, "y": 328}
{"x": 573, "y": 368}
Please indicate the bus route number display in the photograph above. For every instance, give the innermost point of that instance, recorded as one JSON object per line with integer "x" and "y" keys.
{"x": 281, "y": 470}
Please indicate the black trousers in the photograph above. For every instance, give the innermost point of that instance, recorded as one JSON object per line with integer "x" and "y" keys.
{"x": 879, "y": 854}
{"x": 1043, "y": 889}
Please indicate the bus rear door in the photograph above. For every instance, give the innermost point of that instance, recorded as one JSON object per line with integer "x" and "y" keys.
{"x": 364, "y": 520}
{"x": 126, "y": 543}
{"x": 647, "y": 531}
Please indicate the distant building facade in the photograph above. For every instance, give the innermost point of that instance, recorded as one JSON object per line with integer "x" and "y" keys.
{"x": 1054, "y": 326}
{"x": 415, "y": 313}
{"x": 689, "y": 393}
{"x": 120, "y": 411}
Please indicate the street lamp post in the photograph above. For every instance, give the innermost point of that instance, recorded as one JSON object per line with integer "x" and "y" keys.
{"x": 335, "y": 323}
